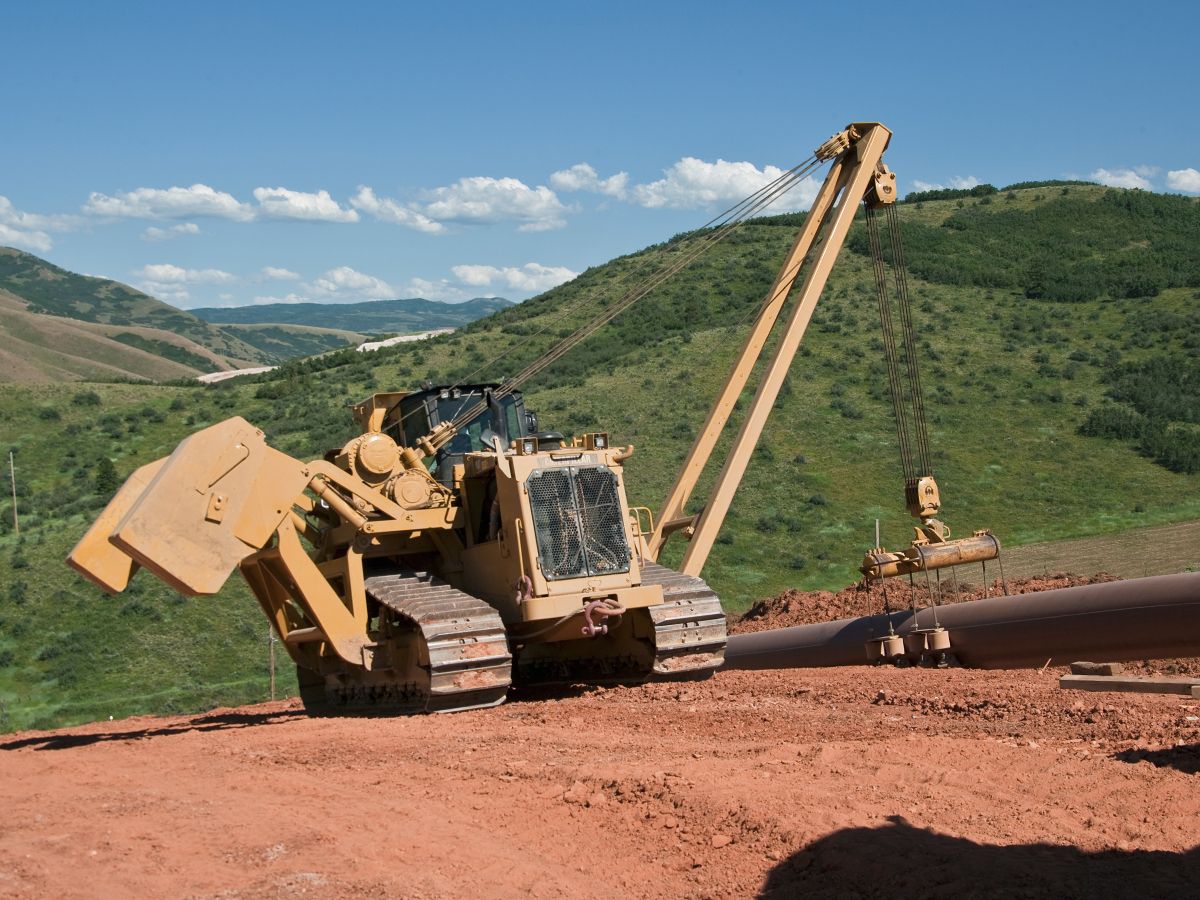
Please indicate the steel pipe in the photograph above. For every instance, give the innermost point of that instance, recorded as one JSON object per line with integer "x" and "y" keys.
{"x": 1142, "y": 618}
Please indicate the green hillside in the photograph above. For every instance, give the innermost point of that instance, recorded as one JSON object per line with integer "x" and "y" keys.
{"x": 1012, "y": 375}
{"x": 375, "y": 316}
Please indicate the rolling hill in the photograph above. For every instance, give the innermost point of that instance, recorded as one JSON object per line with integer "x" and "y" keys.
{"x": 1013, "y": 374}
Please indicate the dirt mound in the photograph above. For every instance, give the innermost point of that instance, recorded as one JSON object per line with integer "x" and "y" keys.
{"x": 795, "y": 607}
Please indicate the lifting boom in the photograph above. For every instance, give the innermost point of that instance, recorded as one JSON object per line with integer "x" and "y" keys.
{"x": 857, "y": 175}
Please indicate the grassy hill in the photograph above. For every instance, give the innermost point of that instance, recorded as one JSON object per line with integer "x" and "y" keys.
{"x": 1012, "y": 371}
{"x": 376, "y": 316}
{"x": 60, "y": 326}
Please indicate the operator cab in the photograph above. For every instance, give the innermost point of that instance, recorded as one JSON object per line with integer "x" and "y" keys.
{"x": 505, "y": 419}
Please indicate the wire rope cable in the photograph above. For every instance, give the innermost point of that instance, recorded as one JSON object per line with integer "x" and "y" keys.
{"x": 730, "y": 220}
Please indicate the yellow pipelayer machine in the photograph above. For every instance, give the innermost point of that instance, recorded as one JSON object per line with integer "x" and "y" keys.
{"x": 451, "y": 547}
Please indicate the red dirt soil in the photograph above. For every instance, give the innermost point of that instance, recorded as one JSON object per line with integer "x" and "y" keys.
{"x": 864, "y": 782}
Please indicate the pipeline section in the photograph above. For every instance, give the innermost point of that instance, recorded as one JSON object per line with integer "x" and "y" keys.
{"x": 1142, "y": 618}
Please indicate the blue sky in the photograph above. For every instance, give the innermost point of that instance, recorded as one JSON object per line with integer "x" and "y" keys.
{"x": 225, "y": 154}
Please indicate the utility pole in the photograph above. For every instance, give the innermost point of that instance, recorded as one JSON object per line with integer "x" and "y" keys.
{"x": 12, "y": 476}
{"x": 271, "y": 644}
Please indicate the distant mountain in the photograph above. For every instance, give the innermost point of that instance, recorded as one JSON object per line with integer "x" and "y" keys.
{"x": 373, "y": 316}
{"x": 57, "y": 325}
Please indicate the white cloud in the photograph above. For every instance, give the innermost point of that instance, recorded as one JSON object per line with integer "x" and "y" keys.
{"x": 478, "y": 200}
{"x": 166, "y": 273}
{"x": 169, "y": 203}
{"x": 33, "y": 239}
{"x": 1186, "y": 180}
{"x": 273, "y": 273}
{"x": 346, "y": 284}
{"x": 1125, "y": 178}
{"x": 30, "y": 230}
{"x": 170, "y": 282}
{"x": 154, "y": 233}
{"x": 957, "y": 182}
{"x": 483, "y": 200}
{"x": 281, "y": 203}
{"x": 387, "y": 210}
{"x": 442, "y": 289}
{"x": 532, "y": 277}
{"x": 172, "y": 293}
{"x": 582, "y": 177}
{"x": 693, "y": 183}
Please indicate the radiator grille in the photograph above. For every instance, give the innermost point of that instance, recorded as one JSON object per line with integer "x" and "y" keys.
{"x": 578, "y": 521}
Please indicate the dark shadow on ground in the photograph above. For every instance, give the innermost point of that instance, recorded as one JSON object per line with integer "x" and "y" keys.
{"x": 208, "y": 722}
{"x": 1185, "y": 758}
{"x": 899, "y": 860}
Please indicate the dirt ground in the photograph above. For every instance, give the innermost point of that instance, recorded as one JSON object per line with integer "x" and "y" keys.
{"x": 866, "y": 782}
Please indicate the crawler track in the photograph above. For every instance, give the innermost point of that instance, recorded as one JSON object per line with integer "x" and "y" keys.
{"x": 441, "y": 650}
{"x": 689, "y": 626}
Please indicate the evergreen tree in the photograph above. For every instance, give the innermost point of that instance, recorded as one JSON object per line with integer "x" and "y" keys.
{"x": 107, "y": 480}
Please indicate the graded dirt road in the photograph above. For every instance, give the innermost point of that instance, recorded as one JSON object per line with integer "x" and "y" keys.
{"x": 866, "y": 782}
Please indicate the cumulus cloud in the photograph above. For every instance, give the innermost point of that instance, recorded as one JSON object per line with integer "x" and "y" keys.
{"x": 30, "y": 231}
{"x": 533, "y": 277}
{"x": 281, "y": 203}
{"x": 154, "y": 233}
{"x": 693, "y": 183}
{"x": 345, "y": 283}
{"x": 387, "y": 210}
{"x": 957, "y": 182}
{"x": 28, "y": 239}
{"x": 171, "y": 293}
{"x": 169, "y": 203}
{"x": 167, "y": 273}
{"x": 274, "y": 273}
{"x": 483, "y": 200}
{"x": 1137, "y": 177}
{"x": 582, "y": 177}
{"x": 170, "y": 282}
{"x": 440, "y": 289}
{"x": 477, "y": 200}
{"x": 1186, "y": 180}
